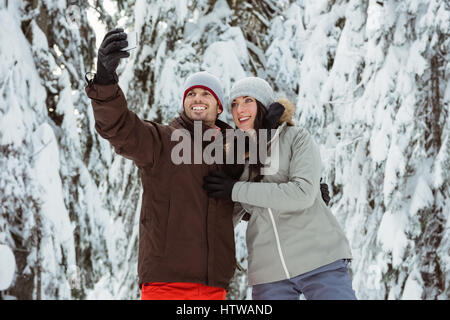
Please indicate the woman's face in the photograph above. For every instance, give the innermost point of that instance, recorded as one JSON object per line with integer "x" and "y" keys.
{"x": 244, "y": 111}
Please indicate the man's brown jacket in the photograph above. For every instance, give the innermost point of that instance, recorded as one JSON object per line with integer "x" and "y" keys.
{"x": 184, "y": 236}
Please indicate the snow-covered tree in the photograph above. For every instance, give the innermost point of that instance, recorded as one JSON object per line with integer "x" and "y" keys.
{"x": 52, "y": 214}
{"x": 370, "y": 79}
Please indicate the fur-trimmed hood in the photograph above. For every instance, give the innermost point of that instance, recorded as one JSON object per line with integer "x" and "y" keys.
{"x": 289, "y": 110}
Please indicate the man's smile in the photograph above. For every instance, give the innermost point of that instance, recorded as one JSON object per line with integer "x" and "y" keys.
{"x": 199, "y": 108}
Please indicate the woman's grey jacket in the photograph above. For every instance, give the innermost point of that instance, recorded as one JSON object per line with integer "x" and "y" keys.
{"x": 291, "y": 231}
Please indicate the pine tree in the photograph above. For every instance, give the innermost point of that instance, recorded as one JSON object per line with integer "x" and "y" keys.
{"x": 58, "y": 128}
{"x": 369, "y": 91}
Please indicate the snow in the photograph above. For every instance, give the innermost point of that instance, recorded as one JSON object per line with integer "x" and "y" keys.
{"x": 221, "y": 11}
{"x": 413, "y": 288}
{"x": 47, "y": 164}
{"x": 422, "y": 197}
{"x": 375, "y": 14}
{"x": 7, "y": 266}
{"x": 416, "y": 62}
{"x": 100, "y": 291}
{"x": 439, "y": 171}
{"x": 391, "y": 235}
{"x": 379, "y": 144}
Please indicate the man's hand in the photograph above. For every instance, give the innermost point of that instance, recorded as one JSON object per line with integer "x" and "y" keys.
{"x": 109, "y": 56}
{"x": 325, "y": 192}
{"x": 218, "y": 185}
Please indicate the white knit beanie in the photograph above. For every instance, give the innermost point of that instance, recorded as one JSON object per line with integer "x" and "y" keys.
{"x": 252, "y": 87}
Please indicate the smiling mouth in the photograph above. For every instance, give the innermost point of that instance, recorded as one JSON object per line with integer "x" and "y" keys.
{"x": 243, "y": 119}
{"x": 199, "y": 108}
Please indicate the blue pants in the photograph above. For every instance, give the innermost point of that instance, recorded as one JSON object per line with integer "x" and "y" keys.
{"x": 329, "y": 282}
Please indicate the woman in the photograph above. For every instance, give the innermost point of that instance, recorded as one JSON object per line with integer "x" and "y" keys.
{"x": 295, "y": 245}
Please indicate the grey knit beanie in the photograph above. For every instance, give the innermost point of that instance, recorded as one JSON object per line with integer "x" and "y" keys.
{"x": 252, "y": 87}
{"x": 207, "y": 81}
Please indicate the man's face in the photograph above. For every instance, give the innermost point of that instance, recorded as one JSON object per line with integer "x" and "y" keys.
{"x": 200, "y": 104}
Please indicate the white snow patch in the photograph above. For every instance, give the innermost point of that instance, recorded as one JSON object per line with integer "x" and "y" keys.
{"x": 47, "y": 165}
{"x": 413, "y": 287}
{"x": 391, "y": 235}
{"x": 7, "y": 267}
{"x": 423, "y": 197}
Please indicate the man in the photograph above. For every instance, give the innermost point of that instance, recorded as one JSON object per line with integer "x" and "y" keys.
{"x": 186, "y": 240}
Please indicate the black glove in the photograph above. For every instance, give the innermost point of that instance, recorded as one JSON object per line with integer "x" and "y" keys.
{"x": 218, "y": 185}
{"x": 274, "y": 113}
{"x": 272, "y": 117}
{"x": 109, "y": 56}
{"x": 325, "y": 192}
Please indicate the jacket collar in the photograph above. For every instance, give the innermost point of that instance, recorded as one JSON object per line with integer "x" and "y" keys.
{"x": 277, "y": 133}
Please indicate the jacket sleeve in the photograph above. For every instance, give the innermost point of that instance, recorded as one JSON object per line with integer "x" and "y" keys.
{"x": 130, "y": 136}
{"x": 299, "y": 192}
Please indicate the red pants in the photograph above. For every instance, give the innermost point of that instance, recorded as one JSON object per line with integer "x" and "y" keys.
{"x": 181, "y": 291}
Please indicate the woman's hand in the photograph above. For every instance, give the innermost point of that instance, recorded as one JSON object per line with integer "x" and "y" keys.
{"x": 218, "y": 185}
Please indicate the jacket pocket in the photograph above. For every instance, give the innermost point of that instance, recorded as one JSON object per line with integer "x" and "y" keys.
{"x": 157, "y": 214}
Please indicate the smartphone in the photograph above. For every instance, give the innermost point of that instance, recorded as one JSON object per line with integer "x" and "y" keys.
{"x": 132, "y": 39}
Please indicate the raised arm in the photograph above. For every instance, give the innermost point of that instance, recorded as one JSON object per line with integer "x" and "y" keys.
{"x": 131, "y": 137}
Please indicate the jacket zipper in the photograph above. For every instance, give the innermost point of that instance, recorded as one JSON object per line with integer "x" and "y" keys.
{"x": 279, "y": 245}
